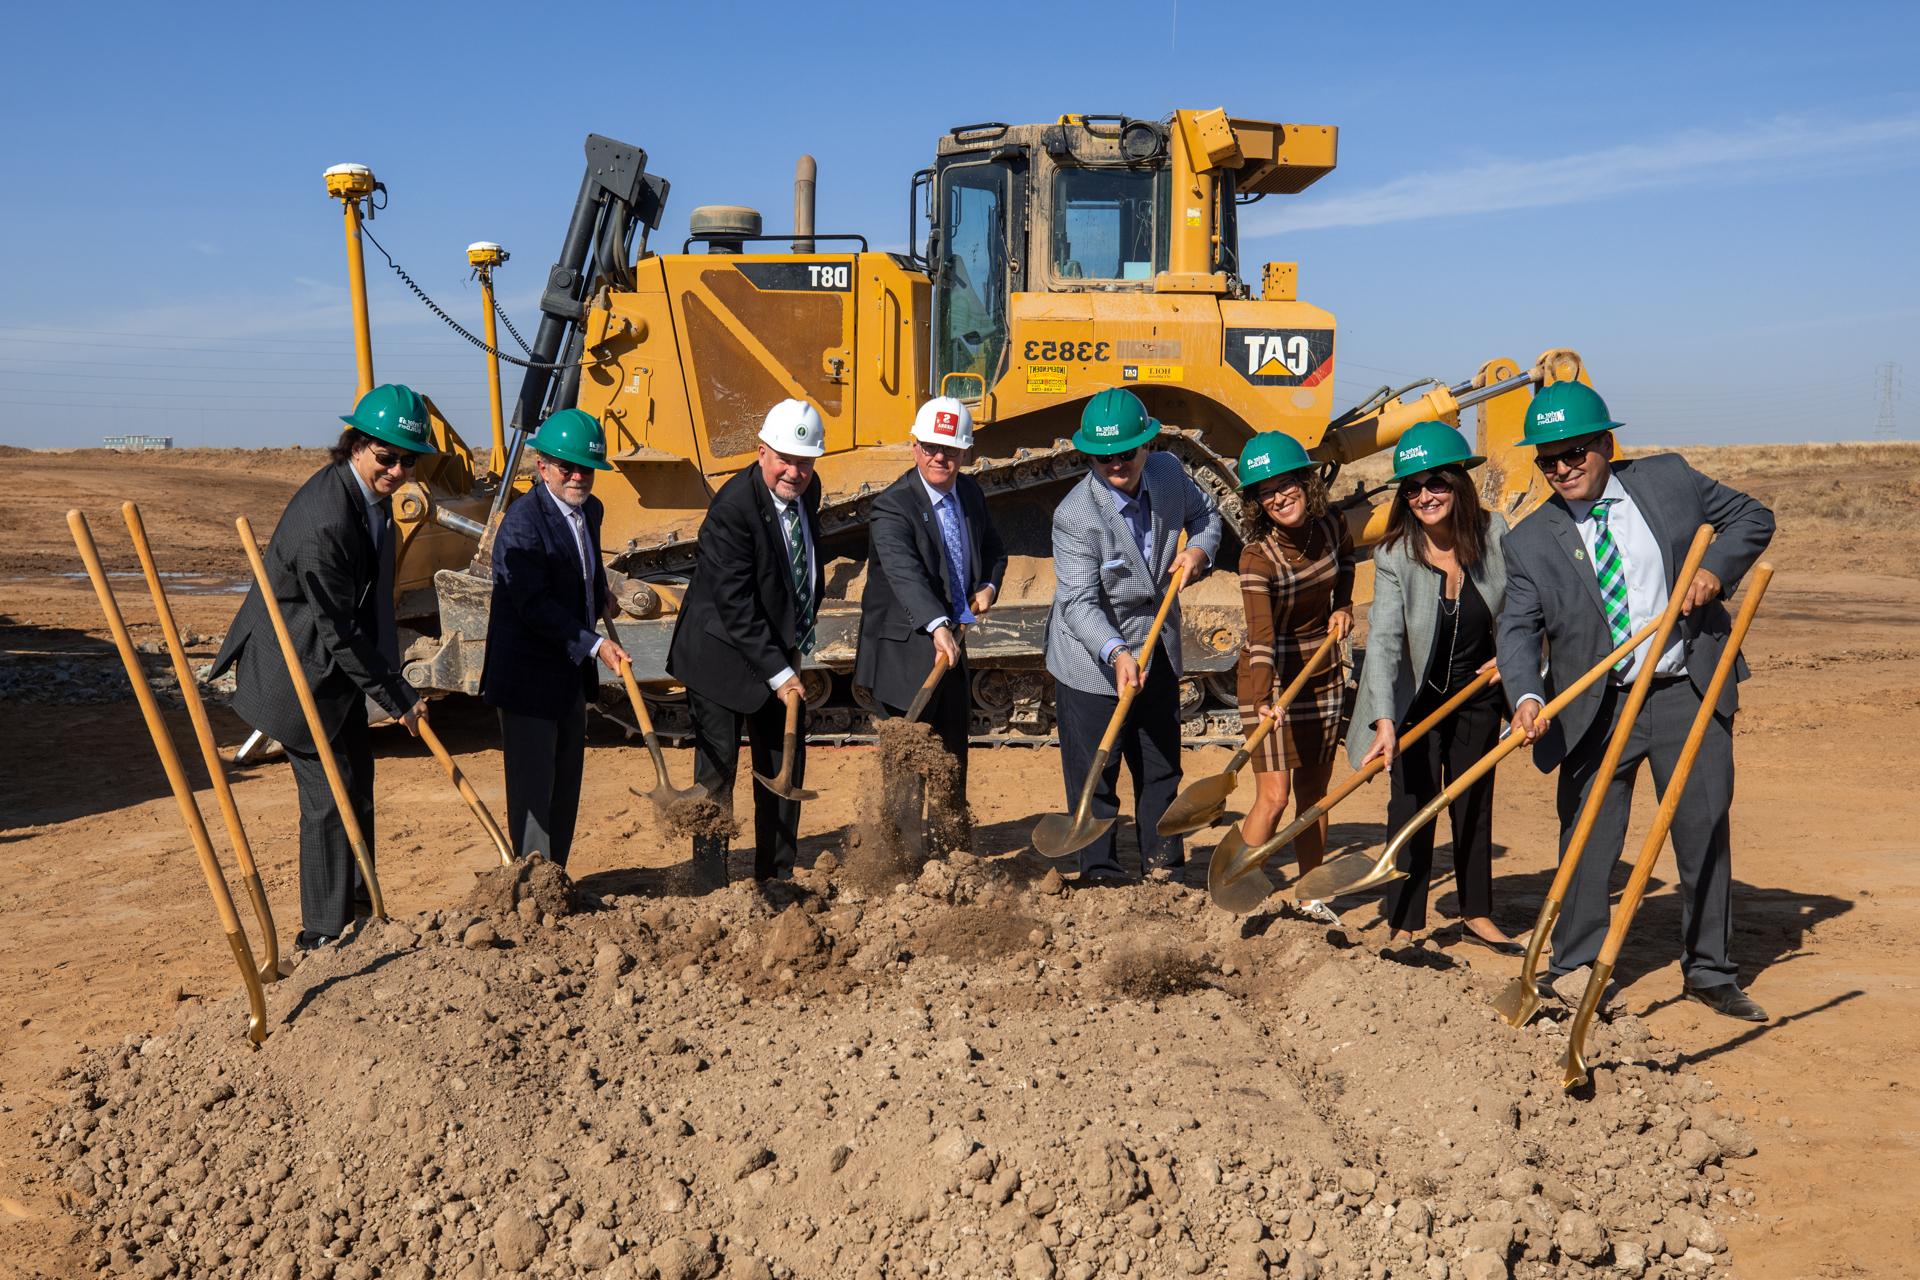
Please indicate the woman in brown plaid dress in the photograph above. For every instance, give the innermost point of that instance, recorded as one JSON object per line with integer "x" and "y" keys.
{"x": 1296, "y": 580}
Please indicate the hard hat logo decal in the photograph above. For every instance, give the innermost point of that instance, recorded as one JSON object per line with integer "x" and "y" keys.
{"x": 800, "y": 431}
{"x": 1552, "y": 415}
{"x": 1414, "y": 452}
{"x": 1264, "y": 460}
{"x": 946, "y": 423}
{"x": 1106, "y": 430}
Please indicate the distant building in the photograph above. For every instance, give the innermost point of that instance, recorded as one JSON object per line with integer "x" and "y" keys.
{"x": 139, "y": 442}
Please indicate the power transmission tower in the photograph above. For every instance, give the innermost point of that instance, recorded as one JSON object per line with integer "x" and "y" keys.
{"x": 1887, "y": 382}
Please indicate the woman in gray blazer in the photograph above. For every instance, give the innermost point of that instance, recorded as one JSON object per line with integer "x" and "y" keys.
{"x": 1439, "y": 580}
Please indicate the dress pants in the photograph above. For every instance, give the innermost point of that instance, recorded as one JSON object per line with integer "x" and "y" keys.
{"x": 1426, "y": 766}
{"x": 1150, "y": 744}
{"x": 716, "y": 759}
{"x": 329, "y": 877}
{"x": 949, "y": 714}
{"x": 1702, "y": 844}
{"x": 544, "y": 760}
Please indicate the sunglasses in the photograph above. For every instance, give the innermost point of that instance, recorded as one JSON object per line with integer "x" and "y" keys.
{"x": 1434, "y": 483}
{"x": 946, "y": 451}
{"x": 388, "y": 459}
{"x": 1570, "y": 457}
{"x": 1125, "y": 455}
{"x": 567, "y": 468}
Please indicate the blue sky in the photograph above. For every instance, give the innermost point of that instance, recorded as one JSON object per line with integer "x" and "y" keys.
{"x": 1716, "y": 204}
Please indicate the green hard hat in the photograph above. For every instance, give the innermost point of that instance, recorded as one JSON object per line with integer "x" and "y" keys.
{"x": 1425, "y": 446}
{"x": 1564, "y": 411}
{"x": 1113, "y": 422}
{"x": 573, "y": 435}
{"x": 1269, "y": 454}
{"x": 393, "y": 414}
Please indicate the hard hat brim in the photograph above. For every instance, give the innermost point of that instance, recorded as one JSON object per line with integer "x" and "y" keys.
{"x": 386, "y": 435}
{"x": 579, "y": 460}
{"x": 1567, "y": 431}
{"x": 1467, "y": 460}
{"x": 1086, "y": 444}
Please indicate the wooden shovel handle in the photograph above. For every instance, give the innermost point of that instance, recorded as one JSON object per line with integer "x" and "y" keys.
{"x": 1677, "y": 783}
{"x": 1636, "y": 698}
{"x": 459, "y": 779}
{"x": 1128, "y": 694}
{"x": 940, "y": 665}
{"x": 297, "y": 677}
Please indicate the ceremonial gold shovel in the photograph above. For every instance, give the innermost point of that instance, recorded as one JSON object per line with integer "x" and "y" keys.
{"x": 664, "y": 794}
{"x": 467, "y": 793}
{"x": 1232, "y": 868}
{"x": 1576, "y": 1073}
{"x": 269, "y": 964}
{"x": 1205, "y": 800}
{"x": 1059, "y": 834}
{"x": 176, "y": 778}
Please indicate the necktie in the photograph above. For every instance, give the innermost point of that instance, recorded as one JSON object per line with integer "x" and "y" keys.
{"x": 578, "y": 523}
{"x": 1611, "y": 570}
{"x": 802, "y": 579}
{"x": 387, "y": 636}
{"x": 956, "y": 558}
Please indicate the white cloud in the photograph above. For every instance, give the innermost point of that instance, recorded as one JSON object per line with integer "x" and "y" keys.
{"x": 1771, "y": 148}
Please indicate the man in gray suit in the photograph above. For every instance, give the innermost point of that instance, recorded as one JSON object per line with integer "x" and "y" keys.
{"x": 1586, "y": 570}
{"x": 1115, "y": 546}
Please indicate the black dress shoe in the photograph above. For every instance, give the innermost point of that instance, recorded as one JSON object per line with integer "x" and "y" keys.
{"x": 1102, "y": 880}
{"x": 1508, "y": 948}
{"x": 304, "y": 941}
{"x": 1727, "y": 1000}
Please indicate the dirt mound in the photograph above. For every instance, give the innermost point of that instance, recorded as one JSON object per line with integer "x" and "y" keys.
{"x": 793, "y": 1080}
{"x": 530, "y": 887}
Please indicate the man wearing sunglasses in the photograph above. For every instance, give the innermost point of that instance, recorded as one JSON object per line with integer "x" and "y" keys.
{"x": 549, "y": 594}
{"x": 331, "y": 562}
{"x": 934, "y": 566}
{"x": 1585, "y": 571}
{"x": 1116, "y": 542}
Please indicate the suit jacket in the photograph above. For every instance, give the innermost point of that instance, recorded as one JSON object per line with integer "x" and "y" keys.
{"x": 1401, "y": 623}
{"x": 739, "y": 623}
{"x": 1553, "y": 598}
{"x": 907, "y": 583}
{"x": 325, "y": 574}
{"x": 1105, "y": 588}
{"x": 539, "y": 643}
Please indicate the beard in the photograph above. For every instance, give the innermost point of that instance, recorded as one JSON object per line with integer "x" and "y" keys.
{"x": 569, "y": 499}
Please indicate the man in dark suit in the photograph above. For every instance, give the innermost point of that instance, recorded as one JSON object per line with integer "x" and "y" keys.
{"x": 934, "y": 565}
{"x": 746, "y": 621}
{"x": 1593, "y": 565}
{"x": 549, "y": 593}
{"x": 331, "y": 562}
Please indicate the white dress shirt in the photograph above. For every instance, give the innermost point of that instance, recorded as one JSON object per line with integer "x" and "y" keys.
{"x": 780, "y": 506}
{"x": 376, "y": 518}
{"x": 576, "y": 520}
{"x": 935, "y": 497}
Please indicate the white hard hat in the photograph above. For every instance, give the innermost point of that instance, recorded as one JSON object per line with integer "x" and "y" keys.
{"x": 944, "y": 420}
{"x": 794, "y": 426}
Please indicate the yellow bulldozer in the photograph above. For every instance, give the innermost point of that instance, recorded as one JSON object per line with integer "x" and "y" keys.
{"x": 1043, "y": 263}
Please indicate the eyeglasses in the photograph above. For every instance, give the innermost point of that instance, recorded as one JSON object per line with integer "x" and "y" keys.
{"x": 1570, "y": 457}
{"x": 1434, "y": 483}
{"x": 567, "y": 468}
{"x": 1125, "y": 455}
{"x": 1281, "y": 488}
{"x": 387, "y": 459}
{"x": 946, "y": 451}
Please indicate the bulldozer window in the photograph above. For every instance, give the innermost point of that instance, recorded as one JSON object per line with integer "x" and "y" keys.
{"x": 972, "y": 311}
{"x": 1105, "y": 224}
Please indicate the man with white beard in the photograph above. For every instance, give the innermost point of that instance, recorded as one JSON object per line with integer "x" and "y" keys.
{"x": 549, "y": 594}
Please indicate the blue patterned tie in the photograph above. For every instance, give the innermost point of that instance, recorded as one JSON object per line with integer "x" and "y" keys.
{"x": 956, "y": 559}
{"x": 801, "y": 574}
{"x": 1611, "y": 570}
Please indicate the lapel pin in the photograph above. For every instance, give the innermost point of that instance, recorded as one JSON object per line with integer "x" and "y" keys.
{"x": 1579, "y": 555}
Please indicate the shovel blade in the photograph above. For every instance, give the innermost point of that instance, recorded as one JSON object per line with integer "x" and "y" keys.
{"x": 1060, "y": 834}
{"x": 1348, "y": 873}
{"x": 1517, "y": 1001}
{"x": 1236, "y": 881}
{"x": 1575, "y": 1071}
{"x": 784, "y": 790}
{"x": 1197, "y": 806}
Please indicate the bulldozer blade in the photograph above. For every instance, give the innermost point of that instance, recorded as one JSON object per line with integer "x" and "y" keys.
{"x": 1060, "y": 834}
{"x": 1199, "y": 805}
{"x": 1576, "y": 1072}
{"x": 1348, "y": 873}
{"x": 1235, "y": 879}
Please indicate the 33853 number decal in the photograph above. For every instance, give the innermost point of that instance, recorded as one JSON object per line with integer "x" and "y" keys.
{"x": 1080, "y": 352}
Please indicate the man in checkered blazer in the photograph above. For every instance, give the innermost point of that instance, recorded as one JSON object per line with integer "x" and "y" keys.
{"x": 1116, "y": 542}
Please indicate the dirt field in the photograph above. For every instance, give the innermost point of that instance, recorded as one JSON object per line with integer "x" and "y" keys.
{"x": 969, "y": 1076}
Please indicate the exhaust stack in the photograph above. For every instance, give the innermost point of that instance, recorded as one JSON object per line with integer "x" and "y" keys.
{"x": 804, "y": 174}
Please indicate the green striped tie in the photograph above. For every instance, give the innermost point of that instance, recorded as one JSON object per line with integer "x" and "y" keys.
{"x": 802, "y": 580}
{"x": 1612, "y": 572}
